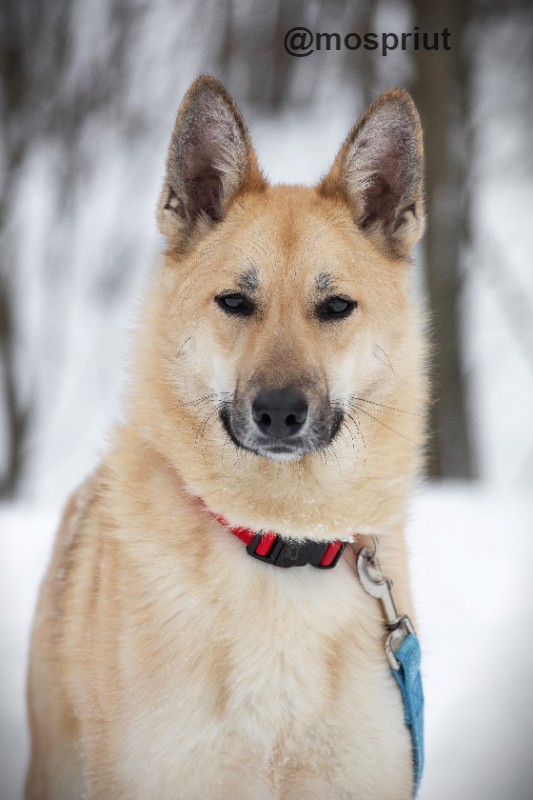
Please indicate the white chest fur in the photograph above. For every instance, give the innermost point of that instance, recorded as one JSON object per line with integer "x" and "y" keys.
{"x": 265, "y": 681}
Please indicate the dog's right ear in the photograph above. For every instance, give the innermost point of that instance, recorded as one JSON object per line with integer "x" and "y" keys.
{"x": 210, "y": 161}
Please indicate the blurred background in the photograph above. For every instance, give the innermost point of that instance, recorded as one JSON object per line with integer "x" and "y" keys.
{"x": 88, "y": 97}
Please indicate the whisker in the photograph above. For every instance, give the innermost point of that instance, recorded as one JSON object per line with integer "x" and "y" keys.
{"x": 218, "y": 406}
{"x": 203, "y": 399}
{"x": 334, "y": 451}
{"x": 205, "y": 423}
{"x": 322, "y": 455}
{"x": 385, "y": 425}
{"x": 355, "y": 447}
{"x": 358, "y": 426}
{"x": 346, "y": 429}
{"x": 338, "y": 404}
{"x": 240, "y": 454}
{"x": 389, "y": 408}
{"x": 188, "y": 339}
{"x": 239, "y": 451}
{"x": 388, "y": 363}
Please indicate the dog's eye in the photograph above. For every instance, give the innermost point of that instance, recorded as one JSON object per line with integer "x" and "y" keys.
{"x": 235, "y": 304}
{"x": 335, "y": 308}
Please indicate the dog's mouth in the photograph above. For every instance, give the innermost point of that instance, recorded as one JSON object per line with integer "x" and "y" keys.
{"x": 278, "y": 435}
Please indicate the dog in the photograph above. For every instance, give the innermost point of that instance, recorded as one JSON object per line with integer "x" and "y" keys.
{"x": 278, "y": 386}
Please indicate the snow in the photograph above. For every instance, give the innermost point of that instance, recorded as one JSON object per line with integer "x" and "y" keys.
{"x": 26, "y": 536}
{"x": 472, "y": 554}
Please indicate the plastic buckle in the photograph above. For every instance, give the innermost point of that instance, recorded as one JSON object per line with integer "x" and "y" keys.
{"x": 293, "y": 553}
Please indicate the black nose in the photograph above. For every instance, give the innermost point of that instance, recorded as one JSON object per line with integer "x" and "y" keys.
{"x": 280, "y": 413}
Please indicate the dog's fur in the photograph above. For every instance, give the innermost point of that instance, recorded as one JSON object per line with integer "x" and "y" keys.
{"x": 166, "y": 663}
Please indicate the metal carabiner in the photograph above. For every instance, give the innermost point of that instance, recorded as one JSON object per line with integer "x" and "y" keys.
{"x": 380, "y": 587}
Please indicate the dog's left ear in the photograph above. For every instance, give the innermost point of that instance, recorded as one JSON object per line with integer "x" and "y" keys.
{"x": 210, "y": 161}
{"x": 379, "y": 172}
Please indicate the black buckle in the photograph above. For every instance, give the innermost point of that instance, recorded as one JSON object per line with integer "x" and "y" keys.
{"x": 292, "y": 553}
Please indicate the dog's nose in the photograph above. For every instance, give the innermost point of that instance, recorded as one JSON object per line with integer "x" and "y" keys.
{"x": 280, "y": 413}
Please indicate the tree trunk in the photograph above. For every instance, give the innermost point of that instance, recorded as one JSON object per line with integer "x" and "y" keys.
{"x": 441, "y": 96}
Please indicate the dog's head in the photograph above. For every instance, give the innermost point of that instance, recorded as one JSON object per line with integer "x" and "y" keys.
{"x": 287, "y": 320}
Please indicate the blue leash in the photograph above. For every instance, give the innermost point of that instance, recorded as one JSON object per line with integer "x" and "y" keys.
{"x": 409, "y": 680}
{"x": 403, "y": 651}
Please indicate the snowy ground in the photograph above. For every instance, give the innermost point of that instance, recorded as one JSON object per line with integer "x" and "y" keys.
{"x": 472, "y": 556}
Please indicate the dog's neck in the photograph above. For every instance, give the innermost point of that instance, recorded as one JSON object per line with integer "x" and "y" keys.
{"x": 271, "y": 548}
{"x": 296, "y": 500}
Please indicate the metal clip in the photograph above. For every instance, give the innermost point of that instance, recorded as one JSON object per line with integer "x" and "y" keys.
{"x": 376, "y": 585}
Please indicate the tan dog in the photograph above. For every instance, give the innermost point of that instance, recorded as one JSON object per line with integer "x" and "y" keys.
{"x": 277, "y": 383}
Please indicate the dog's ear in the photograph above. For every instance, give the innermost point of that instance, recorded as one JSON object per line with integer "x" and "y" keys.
{"x": 210, "y": 160}
{"x": 379, "y": 172}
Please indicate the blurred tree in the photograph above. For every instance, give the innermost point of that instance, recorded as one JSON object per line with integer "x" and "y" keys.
{"x": 254, "y": 32}
{"x": 42, "y": 97}
{"x": 441, "y": 94}
{"x": 20, "y": 28}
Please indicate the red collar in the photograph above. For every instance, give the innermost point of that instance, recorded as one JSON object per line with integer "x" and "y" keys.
{"x": 271, "y": 548}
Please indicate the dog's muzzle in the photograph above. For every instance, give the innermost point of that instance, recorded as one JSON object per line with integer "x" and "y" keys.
{"x": 280, "y": 423}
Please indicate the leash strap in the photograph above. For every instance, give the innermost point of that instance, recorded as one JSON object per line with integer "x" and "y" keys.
{"x": 402, "y": 648}
{"x": 409, "y": 680}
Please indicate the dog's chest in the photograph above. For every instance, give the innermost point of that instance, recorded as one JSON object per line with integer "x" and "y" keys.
{"x": 265, "y": 672}
{"x": 264, "y": 647}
